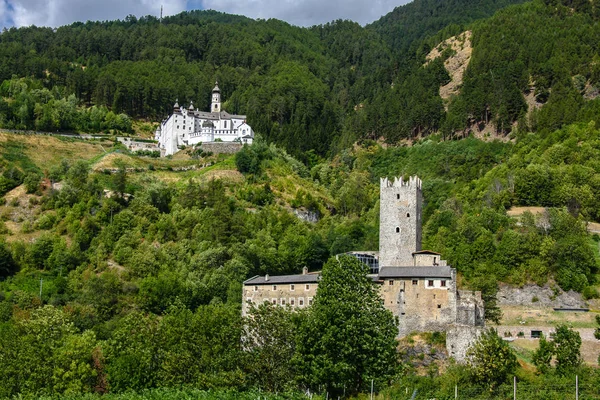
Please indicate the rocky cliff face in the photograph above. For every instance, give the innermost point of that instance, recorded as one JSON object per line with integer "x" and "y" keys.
{"x": 533, "y": 295}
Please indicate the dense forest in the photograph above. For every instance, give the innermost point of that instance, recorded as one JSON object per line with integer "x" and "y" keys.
{"x": 319, "y": 88}
{"x": 121, "y": 273}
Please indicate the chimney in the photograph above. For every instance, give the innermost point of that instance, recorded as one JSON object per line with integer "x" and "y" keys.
{"x": 266, "y": 277}
{"x": 304, "y": 270}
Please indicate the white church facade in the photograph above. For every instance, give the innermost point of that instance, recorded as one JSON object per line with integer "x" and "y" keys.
{"x": 189, "y": 126}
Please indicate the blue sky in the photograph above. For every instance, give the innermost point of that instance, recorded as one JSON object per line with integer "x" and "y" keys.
{"x": 298, "y": 12}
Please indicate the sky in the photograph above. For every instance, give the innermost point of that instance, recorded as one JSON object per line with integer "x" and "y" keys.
{"x": 55, "y": 13}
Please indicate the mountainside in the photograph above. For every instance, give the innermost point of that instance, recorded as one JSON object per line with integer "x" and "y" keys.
{"x": 318, "y": 88}
{"x": 407, "y": 25}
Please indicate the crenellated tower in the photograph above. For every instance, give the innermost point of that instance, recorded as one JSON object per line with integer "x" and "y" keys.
{"x": 400, "y": 205}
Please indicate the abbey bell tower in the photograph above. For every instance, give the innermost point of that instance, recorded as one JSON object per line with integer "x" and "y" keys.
{"x": 216, "y": 99}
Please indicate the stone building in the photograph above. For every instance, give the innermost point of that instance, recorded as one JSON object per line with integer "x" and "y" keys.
{"x": 296, "y": 291}
{"x": 416, "y": 285}
{"x": 189, "y": 126}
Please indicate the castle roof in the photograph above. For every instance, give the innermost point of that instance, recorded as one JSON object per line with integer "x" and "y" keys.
{"x": 216, "y": 88}
{"x": 313, "y": 277}
{"x": 415, "y": 272}
{"x": 427, "y": 252}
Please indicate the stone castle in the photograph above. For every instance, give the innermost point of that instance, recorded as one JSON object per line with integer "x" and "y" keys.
{"x": 188, "y": 127}
{"x": 416, "y": 285}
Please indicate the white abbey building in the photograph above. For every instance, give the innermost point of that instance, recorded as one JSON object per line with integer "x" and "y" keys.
{"x": 187, "y": 127}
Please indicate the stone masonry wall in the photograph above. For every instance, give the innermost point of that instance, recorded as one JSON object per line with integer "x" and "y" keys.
{"x": 222, "y": 147}
{"x": 418, "y": 306}
{"x": 399, "y": 221}
{"x": 459, "y": 338}
{"x": 297, "y": 295}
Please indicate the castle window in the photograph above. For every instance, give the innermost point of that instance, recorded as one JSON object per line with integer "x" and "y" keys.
{"x": 310, "y": 301}
{"x": 292, "y": 302}
{"x": 283, "y": 302}
{"x": 398, "y": 196}
{"x": 275, "y": 287}
{"x": 402, "y": 313}
{"x": 256, "y": 288}
{"x": 443, "y": 283}
{"x": 249, "y": 299}
{"x": 301, "y": 302}
{"x": 225, "y": 124}
{"x": 397, "y": 229}
{"x": 274, "y": 301}
{"x": 434, "y": 296}
{"x": 307, "y": 287}
{"x": 415, "y": 282}
{"x": 292, "y": 288}
{"x": 391, "y": 282}
{"x": 439, "y": 306}
{"x": 430, "y": 283}
{"x": 177, "y": 126}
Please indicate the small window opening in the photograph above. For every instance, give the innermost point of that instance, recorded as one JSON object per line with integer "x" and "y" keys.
{"x": 292, "y": 288}
{"x": 407, "y": 215}
{"x": 443, "y": 283}
{"x": 397, "y": 229}
{"x": 301, "y": 302}
{"x": 402, "y": 313}
{"x": 274, "y": 287}
{"x": 434, "y": 296}
{"x": 430, "y": 283}
{"x": 439, "y": 306}
{"x": 256, "y": 288}
{"x": 391, "y": 282}
{"x": 292, "y": 302}
{"x": 283, "y": 302}
{"x": 398, "y": 196}
{"x": 415, "y": 282}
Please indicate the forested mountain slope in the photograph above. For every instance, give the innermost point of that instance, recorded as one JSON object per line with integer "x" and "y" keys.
{"x": 535, "y": 64}
{"x": 318, "y": 88}
{"x": 407, "y": 25}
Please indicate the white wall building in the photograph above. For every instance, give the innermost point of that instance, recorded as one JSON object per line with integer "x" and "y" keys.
{"x": 187, "y": 127}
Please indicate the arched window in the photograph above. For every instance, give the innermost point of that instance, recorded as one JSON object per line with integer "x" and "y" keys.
{"x": 407, "y": 215}
{"x": 397, "y": 229}
{"x": 397, "y": 196}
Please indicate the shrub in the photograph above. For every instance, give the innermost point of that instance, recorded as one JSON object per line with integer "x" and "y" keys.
{"x": 590, "y": 292}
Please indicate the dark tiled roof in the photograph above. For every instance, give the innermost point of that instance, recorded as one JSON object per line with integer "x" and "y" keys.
{"x": 426, "y": 252}
{"x": 273, "y": 280}
{"x": 415, "y": 272}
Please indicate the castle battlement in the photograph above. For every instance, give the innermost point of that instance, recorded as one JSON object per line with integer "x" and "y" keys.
{"x": 412, "y": 182}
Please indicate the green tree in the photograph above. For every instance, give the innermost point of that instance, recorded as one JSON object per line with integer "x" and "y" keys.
{"x": 567, "y": 349}
{"x": 270, "y": 342}
{"x": 349, "y": 338}
{"x": 491, "y": 359}
{"x": 8, "y": 266}
{"x": 543, "y": 355}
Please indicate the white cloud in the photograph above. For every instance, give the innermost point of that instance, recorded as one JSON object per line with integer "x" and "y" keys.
{"x": 307, "y": 12}
{"x": 62, "y": 12}
{"x": 298, "y": 12}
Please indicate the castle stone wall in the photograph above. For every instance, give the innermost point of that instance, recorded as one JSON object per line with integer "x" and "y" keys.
{"x": 418, "y": 306}
{"x": 295, "y": 295}
{"x": 222, "y": 147}
{"x": 399, "y": 221}
{"x": 459, "y": 338}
